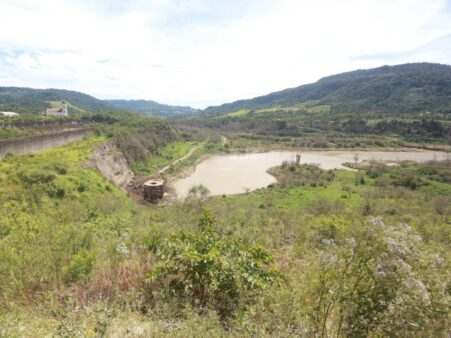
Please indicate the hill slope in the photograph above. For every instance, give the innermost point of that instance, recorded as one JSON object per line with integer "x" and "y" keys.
{"x": 416, "y": 87}
{"x": 28, "y": 100}
{"x": 151, "y": 107}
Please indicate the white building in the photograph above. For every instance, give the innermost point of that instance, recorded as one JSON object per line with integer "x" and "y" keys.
{"x": 57, "y": 111}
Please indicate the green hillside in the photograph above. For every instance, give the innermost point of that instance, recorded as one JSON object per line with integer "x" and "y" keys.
{"x": 28, "y": 100}
{"x": 407, "y": 88}
{"x": 318, "y": 253}
{"x": 410, "y": 102}
{"x": 151, "y": 107}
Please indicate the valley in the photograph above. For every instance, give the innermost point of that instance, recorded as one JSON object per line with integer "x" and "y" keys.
{"x": 350, "y": 239}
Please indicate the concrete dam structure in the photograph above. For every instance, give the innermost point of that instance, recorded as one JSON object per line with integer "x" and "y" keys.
{"x": 34, "y": 144}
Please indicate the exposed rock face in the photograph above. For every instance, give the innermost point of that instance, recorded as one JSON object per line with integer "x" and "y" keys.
{"x": 112, "y": 164}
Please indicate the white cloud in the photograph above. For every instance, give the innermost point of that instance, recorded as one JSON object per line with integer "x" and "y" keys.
{"x": 202, "y": 52}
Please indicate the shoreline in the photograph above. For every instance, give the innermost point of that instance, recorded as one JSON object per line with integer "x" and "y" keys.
{"x": 190, "y": 169}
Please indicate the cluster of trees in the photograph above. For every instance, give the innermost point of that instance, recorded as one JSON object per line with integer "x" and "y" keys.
{"x": 422, "y": 129}
{"x": 137, "y": 136}
{"x": 419, "y": 130}
{"x": 301, "y": 174}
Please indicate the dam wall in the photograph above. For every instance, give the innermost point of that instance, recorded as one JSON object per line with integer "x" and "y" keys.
{"x": 43, "y": 125}
{"x": 34, "y": 144}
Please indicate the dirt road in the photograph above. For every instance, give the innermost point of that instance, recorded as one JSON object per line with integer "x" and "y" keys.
{"x": 161, "y": 171}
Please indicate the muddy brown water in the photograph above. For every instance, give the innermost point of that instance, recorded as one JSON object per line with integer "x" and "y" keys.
{"x": 234, "y": 174}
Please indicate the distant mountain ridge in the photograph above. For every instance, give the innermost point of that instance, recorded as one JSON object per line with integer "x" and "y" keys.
{"x": 30, "y": 100}
{"x": 415, "y": 87}
{"x": 151, "y": 107}
{"x": 407, "y": 88}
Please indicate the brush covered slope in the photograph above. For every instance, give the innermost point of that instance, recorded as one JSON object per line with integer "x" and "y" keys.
{"x": 407, "y": 88}
{"x": 338, "y": 253}
{"x": 407, "y": 104}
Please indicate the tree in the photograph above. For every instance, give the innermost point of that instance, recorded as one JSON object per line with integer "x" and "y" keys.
{"x": 199, "y": 192}
{"x": 209, "y": 270}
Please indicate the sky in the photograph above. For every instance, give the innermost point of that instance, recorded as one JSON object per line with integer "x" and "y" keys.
{"x": 208, "y": 52}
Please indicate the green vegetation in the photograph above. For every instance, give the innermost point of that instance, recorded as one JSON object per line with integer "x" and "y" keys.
{"x": 338, "y": 253}
{"x": 34, "y": 101}
{"x": 326, "y": 131}
{"x": 210, "y": 270}
{"x": 322, "y": 108}
{"x": 27, "y": 100}
{"x": 242, "y": 112}
{"x": 48, "y": 216}
{"x": 305, "y": 174}
{"x": 168, "y": 155}
{"x": 151, "y": 107}
{"x": 138, "y": 137}
{"x": 359, "y": 253}
{"x": 71, "y": 107}
{"x": 213, "y": 144}
{"x": 406, "y": 105}
{"x": 164, "y": 156}
{"x": 10, "y": 133}
{"x": 408, "y": 88}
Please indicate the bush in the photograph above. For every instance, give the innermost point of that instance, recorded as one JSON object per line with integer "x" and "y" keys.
{"x": 79, "y": 267}
{"x": 442, "y": 205}
{"x": 374, "y": 284}
{"x": 35, "y": 176}
{"x": 209, "y": 270}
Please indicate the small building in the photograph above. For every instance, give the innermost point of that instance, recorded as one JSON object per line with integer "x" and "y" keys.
{"x": 8, "y": 113}
{"x": 154, "y": 190}
{"x": 57, "y": 111}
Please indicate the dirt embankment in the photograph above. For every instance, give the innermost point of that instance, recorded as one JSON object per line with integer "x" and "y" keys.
{"x": 112, "y": 164}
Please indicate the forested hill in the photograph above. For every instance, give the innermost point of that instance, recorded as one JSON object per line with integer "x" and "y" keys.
{"x": 28, "y": 100}
{"x": 151, "y": 107}
{"x": 407, "y": 88}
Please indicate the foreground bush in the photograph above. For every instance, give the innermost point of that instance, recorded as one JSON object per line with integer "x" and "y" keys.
{"x": 212, "y": 271}
{"x": 380, "y": 282}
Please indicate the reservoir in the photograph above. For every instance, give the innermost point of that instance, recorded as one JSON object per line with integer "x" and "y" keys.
{"x": 234, "y": 174}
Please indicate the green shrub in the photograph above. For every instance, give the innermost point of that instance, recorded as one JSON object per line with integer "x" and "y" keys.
{"x": 35, "y": 176}
{"x": 211, "y": 271}
{"x": 375, "y": 284}
{"x": 79, "y": 267}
